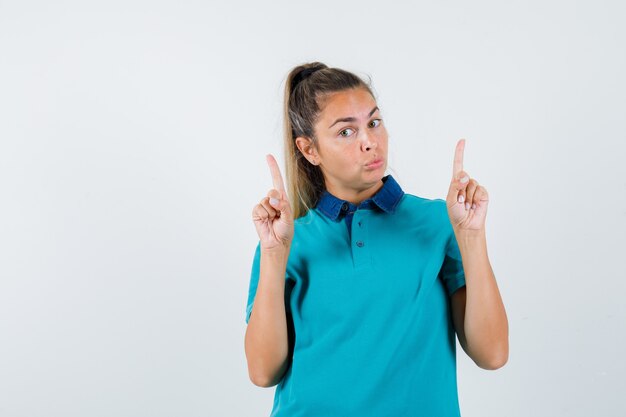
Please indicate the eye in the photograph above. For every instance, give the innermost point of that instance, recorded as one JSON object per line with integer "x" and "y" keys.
{"x": 341, "y": 133}
{"x": 376, "y": 122}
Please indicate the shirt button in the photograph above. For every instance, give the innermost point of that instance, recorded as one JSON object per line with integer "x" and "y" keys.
{"x": 359, "y": 244}
{"x": 344, "y": 206}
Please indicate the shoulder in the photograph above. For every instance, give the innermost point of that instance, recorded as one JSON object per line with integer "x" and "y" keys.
{"x": 413, "y": 199}
{"x": 310, "y": 219}
{"x": 432, "y": 207}
{"x": 425, "y": 213}
{"x": 307, "y": 230}
{"x": 312, "y": 236}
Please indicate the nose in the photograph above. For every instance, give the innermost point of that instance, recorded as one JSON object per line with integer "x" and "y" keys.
{"x": 368, "y": 142}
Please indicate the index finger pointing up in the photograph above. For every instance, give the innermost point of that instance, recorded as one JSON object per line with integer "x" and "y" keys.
{"x": 277, "y": 178}
{"x": 458, "y": 158}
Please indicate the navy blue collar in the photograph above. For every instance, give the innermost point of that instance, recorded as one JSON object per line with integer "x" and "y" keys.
{"x": 387, "y": 198}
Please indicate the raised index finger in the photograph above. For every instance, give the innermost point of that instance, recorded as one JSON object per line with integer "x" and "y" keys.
{"x": 277, "y": 178}
{"x": 458, "y": 157}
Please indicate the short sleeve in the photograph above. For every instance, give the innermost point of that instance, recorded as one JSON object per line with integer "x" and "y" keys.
{"x": 254, "y": 280}
{"x": 452, "y": 271}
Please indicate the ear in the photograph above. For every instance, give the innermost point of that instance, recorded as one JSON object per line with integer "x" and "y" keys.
{"x": 308, "y": 149}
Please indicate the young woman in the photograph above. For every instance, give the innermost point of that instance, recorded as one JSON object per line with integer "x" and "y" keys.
{"x": 357, "y": 288}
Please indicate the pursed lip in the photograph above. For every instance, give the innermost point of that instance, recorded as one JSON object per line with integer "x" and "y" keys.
{"x": 375, "y": 161}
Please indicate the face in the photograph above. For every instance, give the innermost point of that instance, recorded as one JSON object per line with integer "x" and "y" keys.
{"x": 350, "y": 136}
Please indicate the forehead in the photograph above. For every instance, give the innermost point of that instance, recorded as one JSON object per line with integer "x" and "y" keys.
{"x": 356, "y": 102}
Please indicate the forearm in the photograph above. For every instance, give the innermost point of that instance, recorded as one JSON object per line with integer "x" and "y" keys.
{"x": 266, "y": 339}
{"x": 485, "y": 326}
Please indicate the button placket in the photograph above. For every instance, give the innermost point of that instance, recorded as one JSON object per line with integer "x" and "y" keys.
{"x": 360, "y": 249}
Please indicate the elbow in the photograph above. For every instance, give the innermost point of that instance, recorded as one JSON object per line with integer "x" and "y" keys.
{"x": 495, "y": 361}
{"x": 494, "y": 364}
{"x": 261, "y": 381}
{"x": 493, "y": 354}
{"x": 264, "y": 372}
{"x": 264, "y": 380}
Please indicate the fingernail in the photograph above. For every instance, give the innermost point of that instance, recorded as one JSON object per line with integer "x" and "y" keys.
{"x": 461, "y": 198}
{"x": 473, "y": 206}
{"x": 465, "y": 179}
{"x": 467, "y": 206}
{"x": 273, "y": 201}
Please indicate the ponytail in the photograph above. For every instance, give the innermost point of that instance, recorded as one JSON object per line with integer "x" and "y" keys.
{"x": 305, "y": 88}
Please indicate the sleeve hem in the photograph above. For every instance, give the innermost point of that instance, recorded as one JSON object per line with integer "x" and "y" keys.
{"x": 458, "y": 282}
{"x": 248, "y": 312}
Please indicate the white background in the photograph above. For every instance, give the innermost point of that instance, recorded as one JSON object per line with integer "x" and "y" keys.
{"x": 133, "y": 137}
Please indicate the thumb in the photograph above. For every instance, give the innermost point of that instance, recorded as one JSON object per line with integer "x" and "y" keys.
{"x": 460, "y": 181}
{"x": 279, "y": 204}
{"x": 457, "y": 185}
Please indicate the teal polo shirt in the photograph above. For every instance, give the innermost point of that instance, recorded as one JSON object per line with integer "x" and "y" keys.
{"x": 367, "y": 295}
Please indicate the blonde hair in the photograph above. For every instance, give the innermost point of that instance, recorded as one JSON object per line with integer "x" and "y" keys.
{"x": 306, "y": 87}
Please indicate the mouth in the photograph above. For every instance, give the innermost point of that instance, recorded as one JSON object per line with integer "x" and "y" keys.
{"x": 375, "y": 163}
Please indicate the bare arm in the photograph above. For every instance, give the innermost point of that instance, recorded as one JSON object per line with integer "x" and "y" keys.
{"x": 478, "y": 312}
{"x": 266, "y": 339}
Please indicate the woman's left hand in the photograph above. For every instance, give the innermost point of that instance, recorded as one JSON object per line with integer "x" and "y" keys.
{"x": 467, "y": 200}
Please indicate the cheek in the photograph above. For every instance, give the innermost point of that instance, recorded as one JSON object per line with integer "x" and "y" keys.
{"x": 341, "y": 157}
{"x": 384, "y": 141}
{"x": 381, "y": 145}
{"x": 383, "y": 136}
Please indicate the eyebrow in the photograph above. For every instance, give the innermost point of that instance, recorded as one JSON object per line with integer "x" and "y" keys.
{"x": 352, "y": 119}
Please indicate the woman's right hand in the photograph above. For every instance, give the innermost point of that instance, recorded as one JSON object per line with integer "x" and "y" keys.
{"x": 274, "y": 222}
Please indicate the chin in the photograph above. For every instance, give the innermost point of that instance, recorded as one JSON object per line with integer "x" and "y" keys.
{"x": 378, "y": 172}
{"x": 374, "y": 177}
